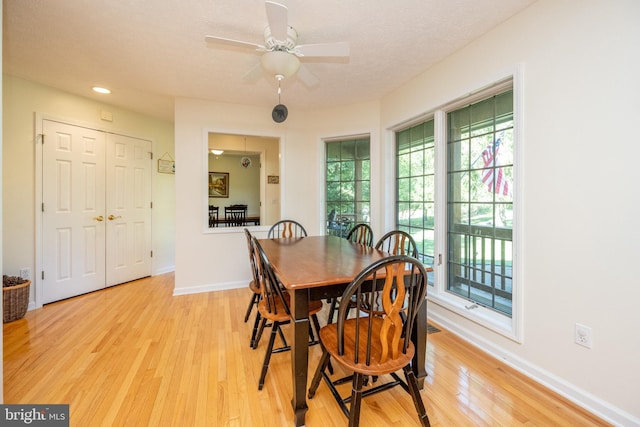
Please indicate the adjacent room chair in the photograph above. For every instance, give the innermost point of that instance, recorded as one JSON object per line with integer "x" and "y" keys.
{"x": 213, "y": 216}
{"x": 398, "y": 242}
{"x": 361, "y": 233}
{"x": 375, "y": 345}
{"x": 286, "y": 228}
{"x": 274, "y": 306}
{"x": 235, "y": 215}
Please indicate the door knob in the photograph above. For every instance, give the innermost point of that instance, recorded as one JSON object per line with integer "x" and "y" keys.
{"x": 112, "y": 217}
{"x": 99, "y": 218}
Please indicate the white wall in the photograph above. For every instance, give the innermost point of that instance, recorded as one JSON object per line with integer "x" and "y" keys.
{"x": 217, "y": 259}
{"x": 21, "y": 100}
{"x": 580, "y": 62}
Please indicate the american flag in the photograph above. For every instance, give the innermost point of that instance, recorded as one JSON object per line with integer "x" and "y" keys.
{"x": 491, "y": 175}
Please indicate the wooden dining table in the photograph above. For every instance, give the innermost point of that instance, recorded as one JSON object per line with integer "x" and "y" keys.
{"x": 316, "y": 268}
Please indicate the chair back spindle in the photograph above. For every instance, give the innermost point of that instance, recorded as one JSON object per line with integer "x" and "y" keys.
{"x": 361, "y": 233}
{"x": 400, "y": 287}
{"x": 252, "y": 259}
{"x": 286, "y": 228}
{"x": 398, "y": 242}
{"x": 254, "y": 286}
{"x": 275, "y": 299}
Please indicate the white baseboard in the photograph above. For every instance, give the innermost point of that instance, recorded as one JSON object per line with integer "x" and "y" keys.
{"x": 163, "y": 270}
{"x": 593, "y": 404}
{"x": 210, "y": 288}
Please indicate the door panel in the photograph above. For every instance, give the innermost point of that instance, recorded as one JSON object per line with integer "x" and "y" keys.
{"x": 128, "y": 209}
{"x": 73, "y": 203}
{"x": 96, "y": 219}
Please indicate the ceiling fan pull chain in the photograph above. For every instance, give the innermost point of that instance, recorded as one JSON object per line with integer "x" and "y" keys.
{"x": 279, "y": 91}
{"x": 280, "y": 112}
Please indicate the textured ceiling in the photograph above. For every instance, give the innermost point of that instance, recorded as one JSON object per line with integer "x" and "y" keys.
{"x": 149, "y": 52}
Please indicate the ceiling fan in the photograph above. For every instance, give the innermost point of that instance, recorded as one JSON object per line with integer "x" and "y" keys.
{"x": 281, "y": 51}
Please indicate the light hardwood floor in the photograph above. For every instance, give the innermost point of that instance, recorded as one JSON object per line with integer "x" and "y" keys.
{"x": 134, "y": 355}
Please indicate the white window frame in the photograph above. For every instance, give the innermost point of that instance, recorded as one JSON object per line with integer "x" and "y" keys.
{"x": 508, "y": 326}
{"x": 323, "y": 147}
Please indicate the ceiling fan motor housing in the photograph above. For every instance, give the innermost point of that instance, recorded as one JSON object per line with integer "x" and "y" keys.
{"x": 284, "y": 45}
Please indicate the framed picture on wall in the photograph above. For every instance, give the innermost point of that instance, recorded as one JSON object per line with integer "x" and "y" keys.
{"x": 166, "y": 166}
{"x": 218, "y": 184}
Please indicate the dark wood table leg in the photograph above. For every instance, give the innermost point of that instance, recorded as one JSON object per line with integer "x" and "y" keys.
{"x": 300, "y": 353}
{"x": 419, "y": 339}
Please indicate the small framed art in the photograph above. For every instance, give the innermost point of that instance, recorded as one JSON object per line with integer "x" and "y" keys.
{"x": 218, "y": 184}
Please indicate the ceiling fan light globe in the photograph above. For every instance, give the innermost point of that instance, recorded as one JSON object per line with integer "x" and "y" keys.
{"x": 280, "y": 63}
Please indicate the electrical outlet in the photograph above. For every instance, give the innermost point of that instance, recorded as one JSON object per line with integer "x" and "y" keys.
{"x": 25, "y": 273}
{"x": 583, "y": 335}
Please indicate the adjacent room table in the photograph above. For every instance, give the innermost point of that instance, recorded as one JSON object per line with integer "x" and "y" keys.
{"x": 320, "y": 267}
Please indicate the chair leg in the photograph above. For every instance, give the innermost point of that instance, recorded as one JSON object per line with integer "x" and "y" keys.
{"x": 332, "y": 309}
{"x": 414, "y": 390}
{"x": 356, "y": 399}
{"x": 253, "y": 301}
{"x": 312, "y": 335}
{"x": 316, "y": 325}
{"x": 282, "y": 338}
{"x": 322, "y": 365}
{"x": 263, "y": 323}
{"x": 254, "y": 334}
{"x": 267, "y": 355}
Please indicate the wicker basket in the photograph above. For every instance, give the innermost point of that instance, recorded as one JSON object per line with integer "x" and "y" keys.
{"x": 15, "y": 301}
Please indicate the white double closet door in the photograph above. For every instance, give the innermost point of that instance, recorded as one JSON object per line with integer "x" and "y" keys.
{"x": 96, "y": 210}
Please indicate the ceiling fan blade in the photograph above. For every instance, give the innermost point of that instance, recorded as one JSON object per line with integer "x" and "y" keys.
{"x": 307, "y": 77}
{"x": 323, "y": 49}
{"x": 278, "y": 21}
{"x": 231, "y": 42}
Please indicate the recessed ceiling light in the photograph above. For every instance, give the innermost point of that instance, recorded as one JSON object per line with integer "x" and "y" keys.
{"x": 101, "y": 89}
{"x": 217, "y": 152}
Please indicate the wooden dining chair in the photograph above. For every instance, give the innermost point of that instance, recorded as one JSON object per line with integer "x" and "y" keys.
{"x": 274, "y": 306}
{"x": 375, "y": 345}
{"x": 362, "y": 234}
{"x": 286, "y": 228}
{"x": 398, "y": 242}
{"x": 254, "y": 287}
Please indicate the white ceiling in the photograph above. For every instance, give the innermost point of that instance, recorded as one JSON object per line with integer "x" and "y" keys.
{"x": 149, "y": 52}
